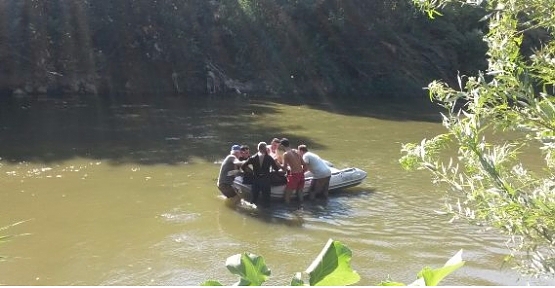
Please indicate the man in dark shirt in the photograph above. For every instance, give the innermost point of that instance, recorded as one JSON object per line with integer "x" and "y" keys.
{"x": 261, "y": 164}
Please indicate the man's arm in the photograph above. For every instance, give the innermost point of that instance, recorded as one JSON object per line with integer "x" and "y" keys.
{"x": 285, "y": 161}
{"x": 245, "y": 164}
{"x": 274, "y": 164}
{"x": 305, "y": 163}
{"x": 238, "y": 162}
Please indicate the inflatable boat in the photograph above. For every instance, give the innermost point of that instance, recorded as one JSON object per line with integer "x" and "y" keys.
{"x": 340, "y": 178}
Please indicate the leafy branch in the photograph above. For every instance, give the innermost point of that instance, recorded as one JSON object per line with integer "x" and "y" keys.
{"x": 512, "y": 98}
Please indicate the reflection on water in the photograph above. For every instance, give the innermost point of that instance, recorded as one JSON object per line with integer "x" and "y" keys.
{"x": 124, "y": 194}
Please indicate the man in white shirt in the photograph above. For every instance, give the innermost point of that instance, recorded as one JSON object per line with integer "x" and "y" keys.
{"x": 320, "y": 170}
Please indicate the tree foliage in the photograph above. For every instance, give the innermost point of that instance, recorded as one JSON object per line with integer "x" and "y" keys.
{"x": 355, "y": 48}
{"x": 511, "y": 100}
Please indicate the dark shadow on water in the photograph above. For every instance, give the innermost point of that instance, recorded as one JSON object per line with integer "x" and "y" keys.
{"x": 292, "y": 215}
{"x": 357, "y": 191}
{"x": 150, "y": 130}
{"x": 277, "y": 213}
{"x": 394, "y": 109}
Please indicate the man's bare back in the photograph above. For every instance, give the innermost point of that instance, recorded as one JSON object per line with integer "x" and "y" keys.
{"x": 292, "y": 159}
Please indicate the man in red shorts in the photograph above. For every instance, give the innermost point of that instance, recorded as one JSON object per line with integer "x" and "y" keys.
{"x": 294, "y": 165}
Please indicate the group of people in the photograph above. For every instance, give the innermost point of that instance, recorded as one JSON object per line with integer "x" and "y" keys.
{"x": 278, "y": 157}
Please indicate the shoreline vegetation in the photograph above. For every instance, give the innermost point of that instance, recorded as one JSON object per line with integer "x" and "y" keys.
{"x": 353, "y": 49}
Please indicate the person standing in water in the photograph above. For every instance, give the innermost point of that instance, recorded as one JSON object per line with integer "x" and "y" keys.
{"x": 261, "y": 165}
{"x": 246, "y": 171}
{"x": 245, "y": 153}
{"x": 321, "y": 173}
{"x": 273, "y": 151}
{"x": 294, "y": 165}
{"x": 228, "y": 171}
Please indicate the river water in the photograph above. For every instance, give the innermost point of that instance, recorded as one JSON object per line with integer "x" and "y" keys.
{"x": 123, "y": 193}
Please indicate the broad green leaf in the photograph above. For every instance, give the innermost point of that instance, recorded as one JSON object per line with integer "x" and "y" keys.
{"x": 391, "y": 283}
{"x": 432, "y": 277}
{"x": 297, "y": 280}
{"x": 250, "y": 267}
{"x": 332, "y": 266}
{"x": 211, "y": 283}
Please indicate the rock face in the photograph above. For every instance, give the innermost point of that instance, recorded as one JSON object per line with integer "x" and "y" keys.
{"x": 71, "y": 87}
{"x": 194, "y": 47}
{"x": 218, "y": 82}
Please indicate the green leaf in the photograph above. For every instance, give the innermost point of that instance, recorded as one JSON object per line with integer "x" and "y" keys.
{"x": 297, "y": 280}
{"x": 211, "y": 283}
{"x": 332, "y": 266}
{"x": 432, "y": 277}
{"x": 250, "y": 267}
{"x": 391, "y": 283}
{"x": 432, "y": 13}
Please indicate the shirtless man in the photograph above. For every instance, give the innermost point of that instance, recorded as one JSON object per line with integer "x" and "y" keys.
{"x": 273, "y": 150}
{"x": 294, "y": 165}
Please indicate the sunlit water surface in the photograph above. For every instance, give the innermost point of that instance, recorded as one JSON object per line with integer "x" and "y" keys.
{"x": 118, "y": 193}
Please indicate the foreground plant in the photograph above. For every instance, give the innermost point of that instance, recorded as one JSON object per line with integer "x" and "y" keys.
{"x": 513, "y": 99}
{"x": 331, "y": 268}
